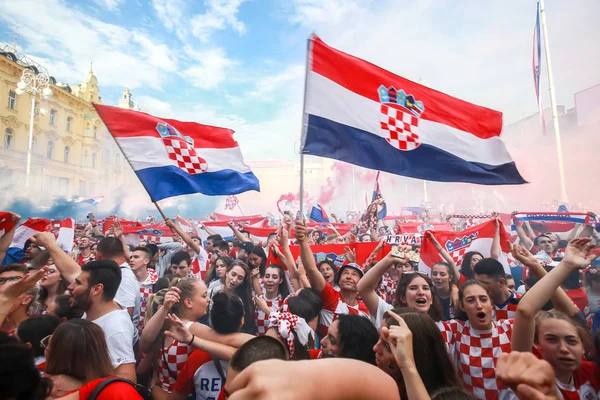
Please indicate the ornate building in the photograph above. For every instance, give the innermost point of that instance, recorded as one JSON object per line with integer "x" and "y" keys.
{"x": 72, "y": 154}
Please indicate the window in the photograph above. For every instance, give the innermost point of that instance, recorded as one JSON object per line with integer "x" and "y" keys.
{"x": 33, "y": 144}
{"x": 85, "y": 159}
{"x": 87, "y": 131}
{"x": 9, "y": 138}
{"x": 50, "y": 150}
{"x": 63, "y": 186}
{"x": 93, "y": 160}
{"x": 53, "y": 117}
{"x": 12, "y": 100}
{"x": 69, "y": 123}
{"x": 67, "y": 153}
{"x": 95, "y": 132}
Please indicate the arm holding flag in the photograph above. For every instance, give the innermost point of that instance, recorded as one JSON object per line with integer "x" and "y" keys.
{"x": 118, "y": 232}
{"x": 588, "y": 229}
{"x": 238, "y": 235}
{"x": 184, "y": 235}
{"x": 317, "y": 282}
{"x": 207, "y": 229}
{"x": 496, "y": 251}
{"x": 444, "y": 254}
{"x": 68, "y": 267}
{"x": 523, "y": 238}
{"x": 288, "y": 258}
{"x": 7, "y": 238}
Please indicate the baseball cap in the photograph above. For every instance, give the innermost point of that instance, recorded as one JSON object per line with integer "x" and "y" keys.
{"x": 350, "y": 265}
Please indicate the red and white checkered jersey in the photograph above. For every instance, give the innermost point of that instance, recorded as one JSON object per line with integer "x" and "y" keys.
{"x": 145, "y": 292}
{"x": 475, "y": 354}
{"x": 387, "y": 289}
{"x": 81, "y": 260}
{"x": 171, "y": 360}
{"x": 333, "y": 305}
{"x": 508, "y": 309}
{"x": 262, "y": 320}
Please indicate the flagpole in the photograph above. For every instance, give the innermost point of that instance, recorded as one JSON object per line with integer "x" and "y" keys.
{"x": 159, "y": 209}
{"x": 425, "y": 191}
{"x": 303, "y": 128}
{"x": 563, "y": 188}
{"x": 240, "y": 208}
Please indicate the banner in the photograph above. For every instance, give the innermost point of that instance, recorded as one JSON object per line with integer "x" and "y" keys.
{"x": 412, "y": 239}
{"x": 335, "y": 253}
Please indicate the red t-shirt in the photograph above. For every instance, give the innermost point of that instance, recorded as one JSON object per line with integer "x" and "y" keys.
{"x": 113, "y": 391}
{"x": 200, "y": 373}
{"x": 333, "y": 305}
{"x": 579, "y": 297}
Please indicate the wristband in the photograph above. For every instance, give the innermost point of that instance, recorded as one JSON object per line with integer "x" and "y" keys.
{"x": 191, "y": 341}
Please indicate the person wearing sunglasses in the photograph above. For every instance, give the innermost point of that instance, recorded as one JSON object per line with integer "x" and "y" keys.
{"x": 27, "y": 302}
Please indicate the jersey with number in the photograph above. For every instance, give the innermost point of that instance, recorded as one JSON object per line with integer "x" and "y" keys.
{"x": 476, "y": 353}
{"x": 200, "y": 374}
{"x": 333, "y": 306}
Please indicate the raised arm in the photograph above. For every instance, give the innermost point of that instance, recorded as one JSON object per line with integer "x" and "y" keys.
{"x": 496, "y": 251}
{"x": 317, "y": 282}
{"x": 236, "y": 232}
{"x": 206, "y": 229}
{"x": 588, "y": 229}
{"x": 368, "y": 283}
{"x": 184, "y": 235}
{"x": 118, "y": 232}
{"x": 286, "y": 256}
{"x": 369, "y": 261}
{"x": 153, "y": 326}
{"x": 524, "y": 240}
{"x": 9, "y": 297}
{"x": 444, "y": 254}
{"x": 68, "y": 267}
{"x": 577, "y": 256}
{"x": 179, "y": 332}
{"x": 6, "y": 240}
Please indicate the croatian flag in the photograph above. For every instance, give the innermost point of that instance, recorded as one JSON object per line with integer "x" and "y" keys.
{"x": 536, "y": 65}
{"x": 7, "y": 223}
{"x": 364, "y": 115}
{"x": 15, "y": 253}
{"x": 318, "y": 214}
{"x": 173, "y": 158}
{"x": 66, "y": 233}
{"x": 457, "y": 244}
{"x": 382, "y": 208}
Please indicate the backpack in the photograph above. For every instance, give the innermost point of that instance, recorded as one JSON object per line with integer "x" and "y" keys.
{"x": 142, "y": 391}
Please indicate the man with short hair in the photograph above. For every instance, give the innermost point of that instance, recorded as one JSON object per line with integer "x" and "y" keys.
{"x": 30, "y": 250}
{"x": 27, "y": 302}
{"x": 210, "y": 241}
{"x": 94, "y": 291}
{"x": 146, "y": 277}
{"x": 510, "y": 283}
{"x": 222, "y": 248}
{"x": 490, "y": 272}
{"x": 180, "y": 265}
{"x": 85, "y": 251}
{"x": 544, "y": 243}
{"x": 79, "y": 231}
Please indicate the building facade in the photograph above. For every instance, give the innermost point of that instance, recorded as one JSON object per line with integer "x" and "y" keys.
{"x": 72, "y": 153}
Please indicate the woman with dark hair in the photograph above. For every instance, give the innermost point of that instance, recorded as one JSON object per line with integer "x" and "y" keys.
{"x": 349, "y": 336}
{"x": 329, "y": 271}
{"x": 415, "y": 290}
{"x": 52, "y": 284}
{"x": 443, "y": 277}
{"x": 275, "y": 290}
{"x": 238, "y": 282}
{"x": 33, "y": 330}
{"x": 78, "y": 360}
{"x": 216, "y": 273}
{"x": 295, "y": 325}
{"x": 257, "y": 258}
{"x": 63, "y": 309}
{"x": 412, "y": 351}
{"x": 469, "y": 261}
{"x": 19, "y": 377}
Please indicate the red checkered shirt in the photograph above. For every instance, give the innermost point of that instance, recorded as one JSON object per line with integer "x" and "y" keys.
{"x": 145, "y": 292}
{"x": 333, "y": 305}
{"x": 475, "y": 354}
{"x": 508, "y": 309}
{"x": 176, "y": 355}
{"x": 387, "y": 289}
{"x": 262, "y": 320}
{"x": 81, "y": 260}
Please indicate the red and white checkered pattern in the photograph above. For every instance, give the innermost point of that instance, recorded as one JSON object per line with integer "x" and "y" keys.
{"x": 333, "y": 306}
{"x": 387, "y": 289}
{"x": 150, "y": 238}
{"x": 476, "y": 354}
{"x": 145, "y": 292}
{"x": 508, "y": 310}
{"x": 231, "y": 202}
{"x": 176, "y": 356}
{"x": 401, "y": 127}
{"x": 184, "y": 154}
{"x": 262, "y": 321}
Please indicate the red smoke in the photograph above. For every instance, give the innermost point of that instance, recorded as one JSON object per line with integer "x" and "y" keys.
{"x": 341, "y": 181}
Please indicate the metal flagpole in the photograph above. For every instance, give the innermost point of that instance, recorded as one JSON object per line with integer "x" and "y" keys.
{"x": 563, "y": 188}
{"x": 303, "y": 128}
{"x": 240, "y": 208}
{"x": 425, "y": 191}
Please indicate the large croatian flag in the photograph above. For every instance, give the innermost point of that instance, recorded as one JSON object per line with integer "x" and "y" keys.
{"x": 362, "y": 114}
{"x": 15, "y": 253}
{"x": 173, "y": 158}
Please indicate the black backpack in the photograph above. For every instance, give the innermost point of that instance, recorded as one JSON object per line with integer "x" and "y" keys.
{"x": 142, "y": 391}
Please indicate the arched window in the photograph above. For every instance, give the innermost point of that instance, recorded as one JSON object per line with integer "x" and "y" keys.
{"x": 9, "y": 138}
{"x": 93, "y": 160}
{"x": 85, "y": 159}
{"x": 67, "y": 153}
{"x": 33, "y": 144}
{"x": 50, "y": 150}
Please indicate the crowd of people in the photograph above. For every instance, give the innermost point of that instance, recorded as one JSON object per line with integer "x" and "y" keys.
{"x": 216, "y": 319}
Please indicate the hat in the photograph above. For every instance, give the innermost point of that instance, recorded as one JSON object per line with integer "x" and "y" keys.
{"x": 355, "y": 266}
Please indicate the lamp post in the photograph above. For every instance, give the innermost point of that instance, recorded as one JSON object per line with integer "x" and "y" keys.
{"x": 36, "y": 85}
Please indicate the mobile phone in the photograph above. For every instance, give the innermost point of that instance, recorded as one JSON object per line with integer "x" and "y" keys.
{"x": 397, "y": 253}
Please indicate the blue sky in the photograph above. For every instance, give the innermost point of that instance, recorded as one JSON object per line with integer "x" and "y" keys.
{"x": 240, "y": 63}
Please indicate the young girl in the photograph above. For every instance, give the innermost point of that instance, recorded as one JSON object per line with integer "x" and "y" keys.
{"x": 215, "y": 275}
{"x": 442, "y": 276}
{"x": 414, "y": 290}
{"x": 329, "y": 271}
{"x": 553, "y": 335}
{"x": 276, "y": 289}
{"x": 52, "y": 284}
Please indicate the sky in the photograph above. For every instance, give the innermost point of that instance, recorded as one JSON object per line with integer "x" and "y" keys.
{"x": 240, "y": 63}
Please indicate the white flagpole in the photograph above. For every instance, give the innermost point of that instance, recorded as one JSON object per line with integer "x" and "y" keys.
{"x": 563, "y": 188}
{"x": 303, "y": 129}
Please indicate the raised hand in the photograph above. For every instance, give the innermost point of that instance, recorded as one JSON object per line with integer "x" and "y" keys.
{"x": 261, "y": 304}
{"x": 522, "y": 255}
{"x": 400, "y": 341}
{"x": 117, "y": 229}
{"x": 43, "y": 239}
{"x": 528, "y": 376}
{"x": 300, "y": 231}
{"x": 178, "y": 331}
{"x": 171, "y": 297}
{"x": 577, "y": 253}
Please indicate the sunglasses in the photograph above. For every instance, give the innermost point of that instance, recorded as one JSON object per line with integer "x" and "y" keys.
{"x": 45, "y": 342}
{"x": 416, "y": 272}
{"x": 9, "y": 279}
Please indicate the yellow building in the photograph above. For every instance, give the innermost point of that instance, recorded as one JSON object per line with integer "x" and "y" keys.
{"x": 72, "y": 154}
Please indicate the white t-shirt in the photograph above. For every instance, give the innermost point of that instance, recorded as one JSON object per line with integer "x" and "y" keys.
{"x": 382, "y": 308}
{"x": 128, "y": 294}
{"x": 119, "y": 332}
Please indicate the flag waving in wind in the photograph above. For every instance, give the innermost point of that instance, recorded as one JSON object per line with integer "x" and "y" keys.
{"x": 173, "y": 158}
{"x": 318, "y": 214}
{"x": 364, "y": 115}
{"x": 381, "y": 208}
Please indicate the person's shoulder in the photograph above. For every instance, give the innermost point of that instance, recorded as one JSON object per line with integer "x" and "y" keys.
{"x": 114, "y": 390}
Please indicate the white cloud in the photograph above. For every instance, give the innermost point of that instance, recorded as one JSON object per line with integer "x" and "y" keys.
{"x": 311, "y": 12}
{"x": 154, "y": 106}
{"x": 111, "y": 5}
{"x": 271, "y": 83}
{"x": 210, "y": 69}
{"x": 66, "y": 40}
{"x": 170, "y": 13}
{"x": 220, "y": 14}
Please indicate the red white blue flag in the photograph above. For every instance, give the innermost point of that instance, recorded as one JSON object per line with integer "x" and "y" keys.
{"x": 318, "y": 214}
{"x": 536, "y": 65}
{"x": 173, "y": 158}
{"x": 364, "y": 115}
